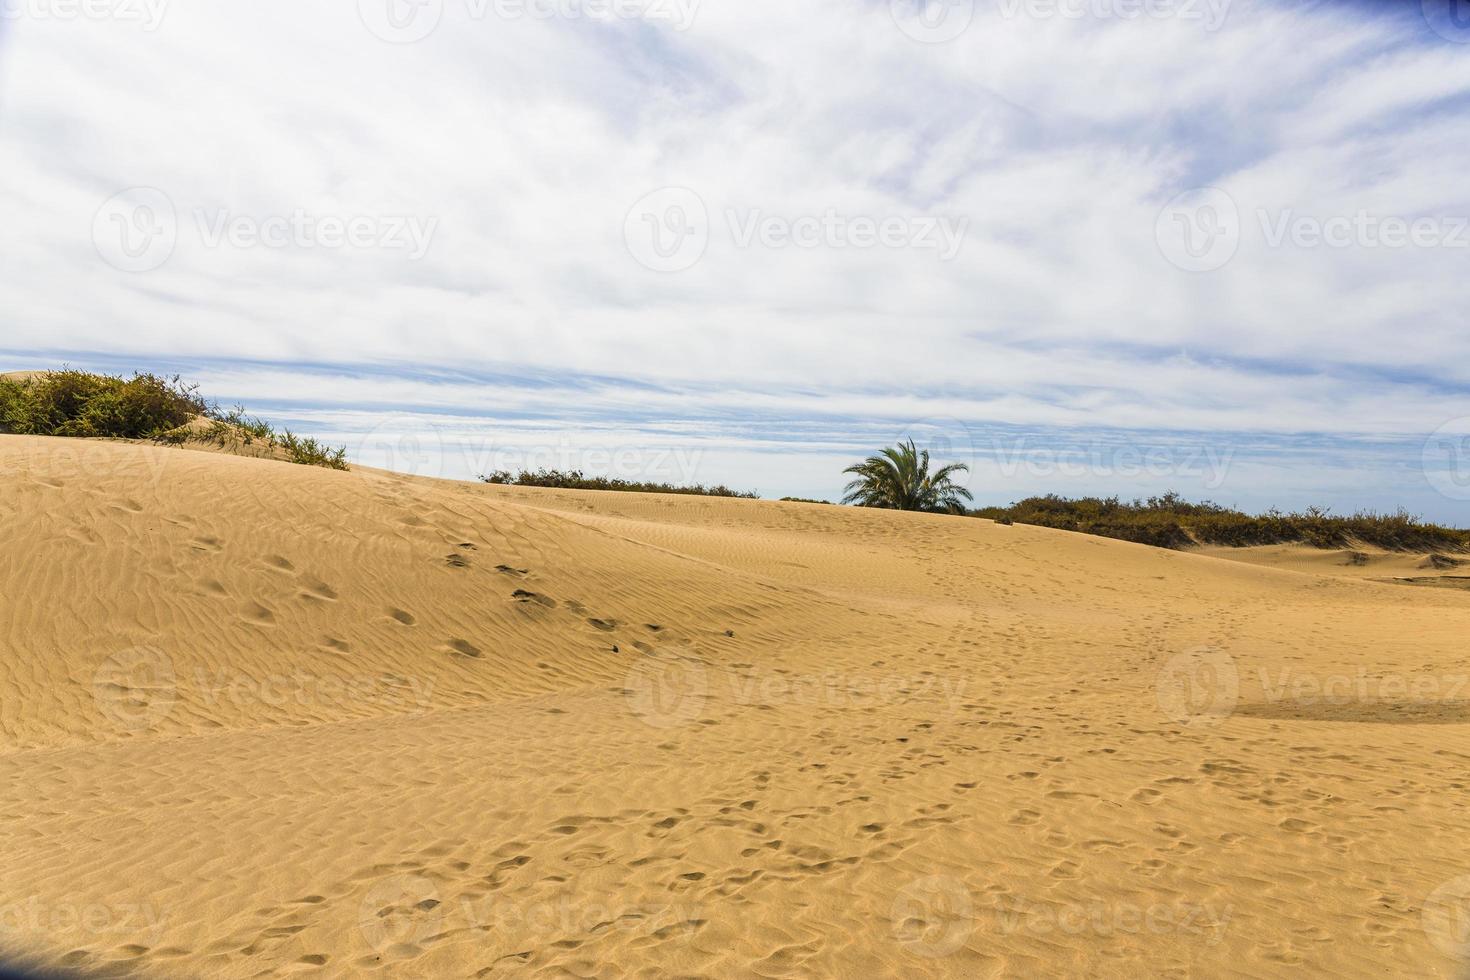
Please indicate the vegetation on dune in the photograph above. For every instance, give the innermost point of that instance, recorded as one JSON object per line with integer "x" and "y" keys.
{"x": 577, "y": 480}
{"x": 898, "y": 478}
{"x": 164, "y": 409}
{"x": 1170, "y": 521}
{"x": 76, "y": 403}
{"x": 308, "y": 452}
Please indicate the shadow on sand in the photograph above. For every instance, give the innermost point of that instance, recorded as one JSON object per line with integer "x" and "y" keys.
{"x": 1380, "y": 711}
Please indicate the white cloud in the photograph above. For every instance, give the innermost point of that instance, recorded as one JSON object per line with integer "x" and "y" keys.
{"x": 1058, "y": 139}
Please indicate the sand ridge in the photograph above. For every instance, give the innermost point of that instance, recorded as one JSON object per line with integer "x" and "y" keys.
{"x": 258, "y": 719}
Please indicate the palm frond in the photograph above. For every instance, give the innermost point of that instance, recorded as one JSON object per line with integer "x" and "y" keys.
{"x": 898, "y": 478}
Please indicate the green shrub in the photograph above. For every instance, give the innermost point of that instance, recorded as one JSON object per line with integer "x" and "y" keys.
{"x": 83, "y": 404}
{"x": 12, "y": 404}
{"x": 250, "y": 428}
{"x": 1170, "y": 521}
{"x": 77, "y": 403}
{"x": 308, "y": 452}
{"x": 576, "y": 480}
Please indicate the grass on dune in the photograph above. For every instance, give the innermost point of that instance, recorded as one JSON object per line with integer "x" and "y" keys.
{"x": 146, "y": 406}
{"x": 308, "y": 452}
{"x": 577, "y": 480}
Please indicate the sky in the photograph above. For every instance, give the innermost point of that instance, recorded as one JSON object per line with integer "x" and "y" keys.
{"x": 1083, "y": 246}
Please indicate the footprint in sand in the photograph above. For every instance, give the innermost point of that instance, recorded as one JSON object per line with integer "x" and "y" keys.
{"x": 465, "y": 649}
{"x": 315, "y": 588}
{"x": 257, "y": 613}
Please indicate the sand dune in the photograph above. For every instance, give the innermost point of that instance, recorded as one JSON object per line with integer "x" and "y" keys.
{"x": 258, "y": 719}
{"x": 1362, "y": 562}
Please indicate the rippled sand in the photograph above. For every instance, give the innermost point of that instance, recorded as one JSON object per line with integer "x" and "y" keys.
{"x": 260, "y": 719}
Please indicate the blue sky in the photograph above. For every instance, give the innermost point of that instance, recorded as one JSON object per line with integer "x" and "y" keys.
{"x": 1216, "y": 246}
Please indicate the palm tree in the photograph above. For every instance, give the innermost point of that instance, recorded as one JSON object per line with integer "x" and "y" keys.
{"x": 898, "y": 478}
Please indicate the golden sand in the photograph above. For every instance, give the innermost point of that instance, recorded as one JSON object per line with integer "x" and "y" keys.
{"x": 258, "y": 719}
